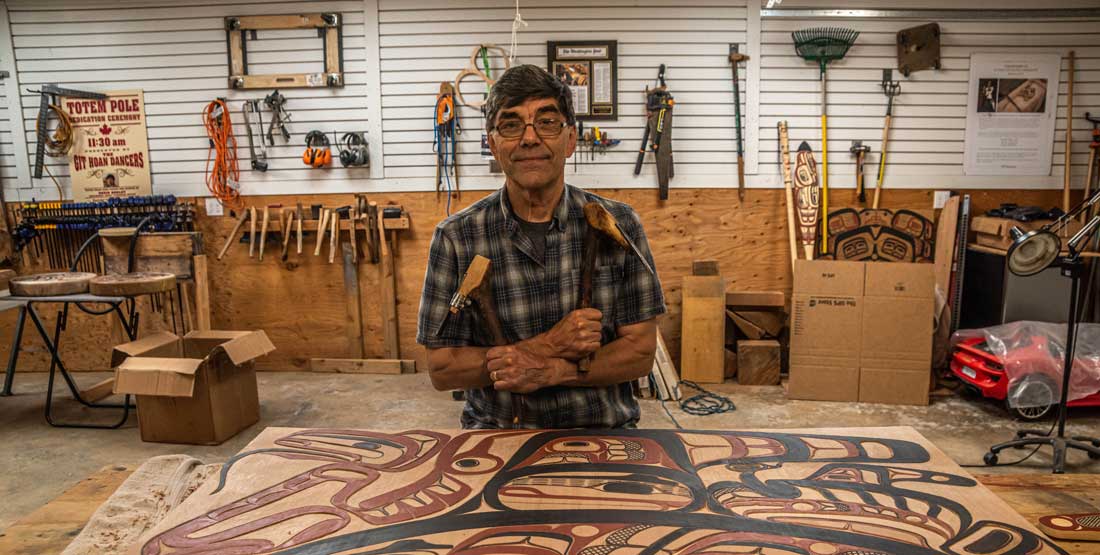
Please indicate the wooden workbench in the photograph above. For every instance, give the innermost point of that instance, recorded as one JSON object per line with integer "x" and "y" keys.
{"x": 52, "y": 527}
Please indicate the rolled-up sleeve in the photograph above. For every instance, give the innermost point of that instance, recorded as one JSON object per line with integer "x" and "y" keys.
{"x": 640, "y": 298}
{"x": 436, "y": 326}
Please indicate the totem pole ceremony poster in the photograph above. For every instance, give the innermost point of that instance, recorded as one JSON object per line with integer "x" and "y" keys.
{"x": 110, "y": 155}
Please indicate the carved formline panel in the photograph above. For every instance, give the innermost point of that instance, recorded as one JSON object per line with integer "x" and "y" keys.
{"x": 869, "y": 491}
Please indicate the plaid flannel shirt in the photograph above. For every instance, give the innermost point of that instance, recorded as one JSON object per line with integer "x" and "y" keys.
{"x": 532, "y": 296}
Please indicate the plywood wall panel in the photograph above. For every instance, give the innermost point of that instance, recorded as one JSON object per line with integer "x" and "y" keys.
{"x": 301, "y": 304}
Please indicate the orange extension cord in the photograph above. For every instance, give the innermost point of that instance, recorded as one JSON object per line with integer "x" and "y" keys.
{"x": 220, "y": 178}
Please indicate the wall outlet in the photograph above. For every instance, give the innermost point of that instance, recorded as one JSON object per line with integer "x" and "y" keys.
{"x": 939, "y": 200}
{"x": 214, "y": 207}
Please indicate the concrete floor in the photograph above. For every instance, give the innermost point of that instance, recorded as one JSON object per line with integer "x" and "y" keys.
{"x": 40, "y": 462}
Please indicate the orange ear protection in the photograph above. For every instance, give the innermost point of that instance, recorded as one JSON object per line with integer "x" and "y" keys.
{"x": 317, "y": 153}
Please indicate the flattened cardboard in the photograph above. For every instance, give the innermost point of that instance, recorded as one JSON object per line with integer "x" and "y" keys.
{"x": 829, "y": 277}
{"x": 900, "y": 279}
{"x": 825, "y": 347}
{"x": 897, "y": 330}
{"x": 893, "y": 386}
{"x": 814, "y": 379}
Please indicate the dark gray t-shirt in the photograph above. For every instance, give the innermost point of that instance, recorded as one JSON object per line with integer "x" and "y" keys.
{"x": 536, "y": 232}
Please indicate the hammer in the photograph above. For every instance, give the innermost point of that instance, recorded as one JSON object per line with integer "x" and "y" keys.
{"x": 860, "y": 150}
{"x": 601, "y": 224}
{"x": 477, "y": 287}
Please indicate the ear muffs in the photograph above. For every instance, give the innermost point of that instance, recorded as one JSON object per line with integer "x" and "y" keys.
{"x": 317, "y": 153}
{"x": 353, "y": 151}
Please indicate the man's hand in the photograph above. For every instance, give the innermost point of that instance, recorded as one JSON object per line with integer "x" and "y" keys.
{"x": 518, "y": 370}
{"x": 572, "y": 338}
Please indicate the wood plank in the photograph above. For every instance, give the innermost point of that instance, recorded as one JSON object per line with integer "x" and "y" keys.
{"x": 758, "y": 362}
{"x": 388, "y": 302}
{"x": 755, "y": 300}
{"x": 202, "y": 293}
{"x": 332, "y": 52}
{"x": 362, "y": 365}
{"x": 283, "y": 80}
{"x": 99, "y": 391}
{"x": 353, "y": 325}
{"x": 236, "y": 54}
{"x": 50, "y": 528}
{"x": 1036, "y": 495}
{"x": 751, "y": 330}
{"x": 262, "y": 22}
{"x": 701, "y": 357}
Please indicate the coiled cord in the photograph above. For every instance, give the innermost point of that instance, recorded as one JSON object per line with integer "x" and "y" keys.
{"x": 224, "y": 173}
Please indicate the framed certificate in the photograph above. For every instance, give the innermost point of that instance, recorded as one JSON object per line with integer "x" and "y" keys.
{"x": 590, "y": 70}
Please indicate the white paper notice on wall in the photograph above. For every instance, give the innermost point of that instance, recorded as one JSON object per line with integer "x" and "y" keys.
{"x": 1012, "y": 102}
{"x": 214, "y": 207}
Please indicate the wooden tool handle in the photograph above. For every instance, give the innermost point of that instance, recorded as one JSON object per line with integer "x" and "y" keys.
{"x": 263, "y": 231}
{"x": 792, "y": 210}
{"x": 286, "y": 233}
{"x": 232, "y": 234}
{"x": 298, "y": 222}
{"x": 335, "y": 236}
{"x": 740, "y": 177}
{"x": 882, "y": 161}
{"x": 321, "y": 231}
{"x": 251, "y": 231}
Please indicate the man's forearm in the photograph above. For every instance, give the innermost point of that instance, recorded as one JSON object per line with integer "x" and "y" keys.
{"x": 622, "y": 360}
{"x": 458, "y": 368}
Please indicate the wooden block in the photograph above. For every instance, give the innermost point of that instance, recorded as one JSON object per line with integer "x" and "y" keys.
{"x": 99, "y": 391}
{"x": 703, "y": 332}
{"x": 755, "y": 300}
{"x": 758, "y": 362}
{"x": 362, "y": 365}
{"x": 704, "y": 267}
{"x": 751, "y": 330}
{"x": 731, "y": 363}
{"x": 772, "y": 322}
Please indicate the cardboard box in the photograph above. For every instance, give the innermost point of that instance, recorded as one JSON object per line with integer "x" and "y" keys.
{"x": 861, "y": 332}
{"x": 198, "y": 389}
{"x": 996, "y": 232}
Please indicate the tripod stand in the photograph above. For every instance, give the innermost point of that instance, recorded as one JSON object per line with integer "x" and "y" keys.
{"x": 1033, "y": 254}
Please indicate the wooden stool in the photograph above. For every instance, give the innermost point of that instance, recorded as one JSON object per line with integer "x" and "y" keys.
{"x": 133, "y": 284}
{"x": 51, "y": 284}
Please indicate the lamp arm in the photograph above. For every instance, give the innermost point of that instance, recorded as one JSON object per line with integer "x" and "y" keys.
{"x": 1081, "y": 236}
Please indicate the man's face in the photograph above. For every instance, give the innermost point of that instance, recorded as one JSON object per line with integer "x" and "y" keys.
{"x": 530, "y": 161}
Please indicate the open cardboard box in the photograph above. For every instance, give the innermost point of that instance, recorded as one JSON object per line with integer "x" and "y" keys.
{"x": 198, "y": 389}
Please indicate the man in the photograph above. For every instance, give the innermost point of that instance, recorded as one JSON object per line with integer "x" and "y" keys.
{"x": 532, "y": 230}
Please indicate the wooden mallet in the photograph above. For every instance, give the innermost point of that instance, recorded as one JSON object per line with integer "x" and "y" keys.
{"x": 476, "y": 286}
{"x": 600, "y": 224}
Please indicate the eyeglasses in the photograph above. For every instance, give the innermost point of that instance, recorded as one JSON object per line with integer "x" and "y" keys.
{"x": 545, "y": 128}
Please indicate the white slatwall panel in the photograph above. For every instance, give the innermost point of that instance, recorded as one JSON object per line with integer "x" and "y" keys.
{"x": 7, "y": 153}
{"x": 176, "y": 52}
{"x": 928, "y": 128}
{"x": 424, "y": 42}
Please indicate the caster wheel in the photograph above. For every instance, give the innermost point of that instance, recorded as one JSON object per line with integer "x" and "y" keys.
{"x": 990, "y": 459}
